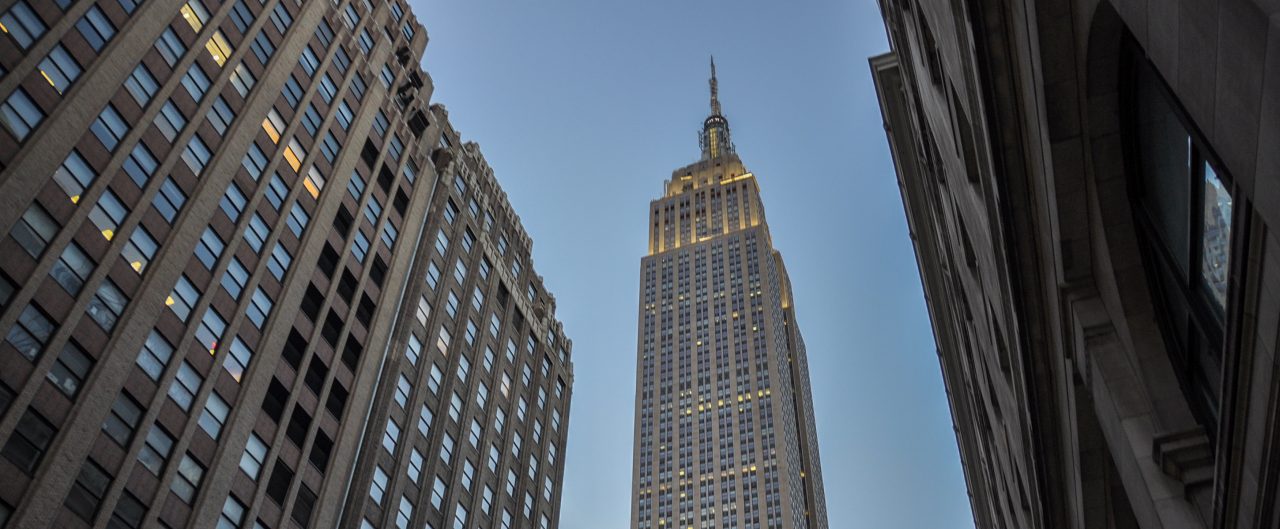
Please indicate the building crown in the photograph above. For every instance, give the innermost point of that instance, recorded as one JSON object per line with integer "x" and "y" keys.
{"x": 714, "y": 138}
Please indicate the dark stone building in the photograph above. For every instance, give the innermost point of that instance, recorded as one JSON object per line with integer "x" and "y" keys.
{"x": 251, "y": 277}
{"x": 1090, "y": 187}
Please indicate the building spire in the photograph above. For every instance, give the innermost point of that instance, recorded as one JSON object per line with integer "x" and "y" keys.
{"x": 715, "y": 89}
{"x": 714, "y": 138}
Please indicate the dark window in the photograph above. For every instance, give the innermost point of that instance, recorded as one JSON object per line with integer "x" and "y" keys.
{"x": 320, "y": 449}
{"x": 337, "y": 400}
{"x": 332, "y": 328}
{"x": 328, "y": 261}
{"x": 316, "y": 373}
{"x": 122, "y": 420}
{"x": 275, "y": 399}
{"x": 351, "y": 354}
{"x": 128, "y": 514}
{"x": 278, "y": 486}
{"x": 86, "y": 494}
{"x": 347, "y": 285}
{"x": 299, "y": 423}
{"x": 303, "y": 505}
{"x": 311, "y": 302}
{"x": 29, "y": 441}
{"x": 1184, "y": 209}
{"x": 378, "y": 270}
{"x": 294, "y": 348}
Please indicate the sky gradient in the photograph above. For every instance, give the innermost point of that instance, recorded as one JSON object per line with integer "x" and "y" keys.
{"x": 584, "y": 107}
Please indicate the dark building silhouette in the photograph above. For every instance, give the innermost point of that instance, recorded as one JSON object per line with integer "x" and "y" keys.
{"x": 1090, "y": 187}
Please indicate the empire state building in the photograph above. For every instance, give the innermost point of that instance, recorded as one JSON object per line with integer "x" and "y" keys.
{"x": 724, "y": 427}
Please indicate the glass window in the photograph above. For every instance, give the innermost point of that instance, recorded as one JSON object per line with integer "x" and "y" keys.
{"x": 20, "y": 114}
{"x": 23, "y": 24}
{"x": 141, "y": 85}
{"x": 255, "y": 453}
{"x": 140, "y": 165}
{"x": 110, "y": 127}
{"x": 169, "y": 201}
{"x": 155, "y": 451}
{"x": 170, "y": 46}
{"x": 59, "y": 68}
{"x": 196, "y": 81}
{"x": 195, "y": 14}
{"x": 96, "y": 28}
{"x": 187, "y": 480}
{"x": 155, "y": 355}
{"x": 71, "y": 269}
{"x": 140, "y": 249}
{"x": 170, "y": 120}
{"x": 70, "y": 369}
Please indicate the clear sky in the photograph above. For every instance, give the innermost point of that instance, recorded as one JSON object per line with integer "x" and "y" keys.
{"x": 584, "y": 107}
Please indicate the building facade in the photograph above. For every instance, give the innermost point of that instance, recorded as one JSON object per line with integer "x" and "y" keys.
{"x": 724, "y": 427}
{"x": 243, "y": 257}
{"x": 1090, "y": 186}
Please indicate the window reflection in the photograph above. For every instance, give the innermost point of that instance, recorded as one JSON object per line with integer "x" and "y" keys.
{"x": 1216, "y": 240}
{"x": 1183, "y": 208}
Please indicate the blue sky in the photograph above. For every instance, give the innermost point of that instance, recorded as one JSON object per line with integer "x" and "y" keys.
{"x": 584, "y": 107}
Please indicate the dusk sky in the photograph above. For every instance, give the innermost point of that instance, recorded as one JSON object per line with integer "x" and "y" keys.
{"x": 584, "y": 107}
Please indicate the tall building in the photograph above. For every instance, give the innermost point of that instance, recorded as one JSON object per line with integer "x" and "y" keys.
{"x": 1090, "y": 188}
{"x": 251, "y": 277}
{"x": 724, "y": 427}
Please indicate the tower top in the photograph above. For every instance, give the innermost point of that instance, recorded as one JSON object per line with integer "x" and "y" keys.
{"x": 714, "y": 138}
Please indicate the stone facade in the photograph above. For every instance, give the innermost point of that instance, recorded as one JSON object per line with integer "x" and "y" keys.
{"x": 1102, "y": 370}
{"x": 221, "y": 221}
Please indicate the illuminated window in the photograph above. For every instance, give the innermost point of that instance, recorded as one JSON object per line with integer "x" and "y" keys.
{"x": 195, "y": 14}
{"x": 294, "y": 154}
{"x": 273, "y": 124}
{"x": 218, "y": 48}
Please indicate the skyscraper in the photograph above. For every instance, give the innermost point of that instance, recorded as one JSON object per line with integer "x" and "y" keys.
{"x": 724, "y": 428}
{"x": 251, "y": 277}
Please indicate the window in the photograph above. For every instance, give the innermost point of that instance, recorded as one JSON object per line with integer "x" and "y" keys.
{"x": 155, "y": 451}
{"x": 327, "y": 88}
{"x": 437, "y": 377}
{"x": 455, "y": 408}
{"x": 141, "y": 85}
{"x": 195, "y": 14}
{"x": 218, "y": 47}
{"x": 446, "y": 449}
{"x": 20, "y": 114}
{"x": 314, "y": 182}
{"x": 70, "y": 370}
{"x": 184, "y": 386}
{"x": 379, "y": 485}
{"x": 255, "y": 454}
{"x": 259, "y": 307}
{"x": 155, "y": 355}
{"x": 404, "y": 513}
{"x": 107, "y": 304}
{"x": 29, "y": 441}
{"x": 460, "y": 517}
{"x": 294, "y": 154}
{"x": 344, "y": 115}
{"x": 59, "y": 68}
{"x": 424, "y": 420}
{"x": 170, "y": 120}
{"x": 1184, "y": 209}
{"x": 380, "y": 123}
{"x": 96, "y": 28}
{"x": 232, "y": 514}
{"x": 309, "y": 61}
{"x": 169, "y": 200}
{"x": 281, "y": 19}
{"x": 140, "y": 165}
{"x": 460, "y": 272}
{"x": 262, "y": 48}
{"x": 170, "y": 46}
{"x": 297, "y": 220}
{"x": 184, "y": 296}
{"x": 215, "y": 415}
{"x": 438, "y": 492}
{"x": 196, "y": 81}
{"x": 403, "y": 388}
{"x": 433, "y": 272}
{"x": 86, "y": 493}
{"x": 23, "y": 24}
{"x": 360, "y": 245}
{"x": 254, "y": 161}
{"x": 122, "y": 420}
{"x": 387, "y": 77}
{"x": 221, "y": 115}
{"x": 234, "y": 278}
{"x": 242, "y": 79}
{"x": 391, "y": 436}
{"x": 71, "y": 269}
{"x": 257, "y": 232}
{"x": 196, "y": 155}
{"x": 187, "y": 480}
{"x": 233, "y": 202}
{"x": 209, "y": 247}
